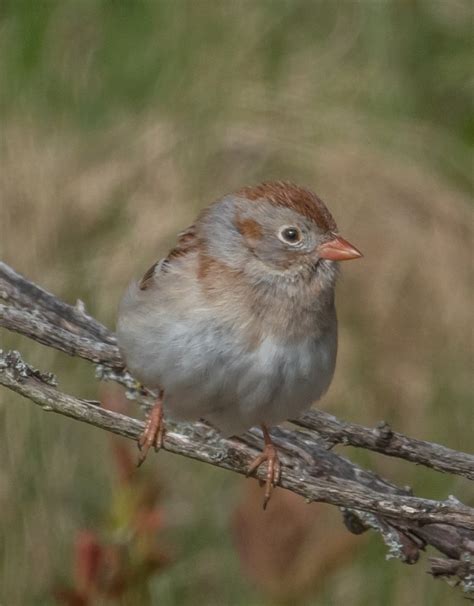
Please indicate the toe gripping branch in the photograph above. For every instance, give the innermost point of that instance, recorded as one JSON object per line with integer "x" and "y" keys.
{"x": 271, "y": 458}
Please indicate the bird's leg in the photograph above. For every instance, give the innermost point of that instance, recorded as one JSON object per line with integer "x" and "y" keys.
{"x": 270, "y": 456}
{"x": 154, "y": 430}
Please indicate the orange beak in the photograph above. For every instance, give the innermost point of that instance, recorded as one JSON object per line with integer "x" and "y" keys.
{"x": 338, "y": 249}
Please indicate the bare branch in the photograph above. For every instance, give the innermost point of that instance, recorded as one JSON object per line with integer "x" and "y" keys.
{"x": 39, "y": 328}
{"x": 388, "y": 442}
{"x": 19, "y": 292}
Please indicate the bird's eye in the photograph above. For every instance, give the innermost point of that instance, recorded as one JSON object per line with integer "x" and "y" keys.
{"x": 290, "y": 235}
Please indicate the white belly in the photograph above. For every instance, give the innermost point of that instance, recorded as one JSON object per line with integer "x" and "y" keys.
{"x": 276, "y": 382}
{"x": 207, "y": 373}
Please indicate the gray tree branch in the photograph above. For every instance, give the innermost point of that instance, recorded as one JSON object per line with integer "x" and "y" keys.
{"x": 310, "y": 468}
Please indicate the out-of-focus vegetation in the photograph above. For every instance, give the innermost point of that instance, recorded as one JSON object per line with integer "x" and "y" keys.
{"x": 119, "y": 119}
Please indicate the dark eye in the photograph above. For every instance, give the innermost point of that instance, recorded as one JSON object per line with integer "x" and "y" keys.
{"x": 290, "y": 235}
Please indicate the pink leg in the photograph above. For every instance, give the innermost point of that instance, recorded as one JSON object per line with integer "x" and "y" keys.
{"x": 154, "y": 430}
{"x": 270, "y": 456}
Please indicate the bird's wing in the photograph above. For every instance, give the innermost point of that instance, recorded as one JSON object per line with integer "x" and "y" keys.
{"x": 187, "y": 242}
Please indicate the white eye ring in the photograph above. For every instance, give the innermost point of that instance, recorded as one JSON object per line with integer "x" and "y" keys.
{"x": 290, "y": 234}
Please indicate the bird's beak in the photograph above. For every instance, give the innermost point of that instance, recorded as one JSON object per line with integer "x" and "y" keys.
{"x": 338, "y": 249}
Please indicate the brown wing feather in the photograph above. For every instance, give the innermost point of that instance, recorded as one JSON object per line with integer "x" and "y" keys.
{"x": 187, "y": 241}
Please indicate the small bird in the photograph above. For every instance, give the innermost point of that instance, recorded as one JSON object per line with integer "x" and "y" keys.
{"x": 237, "y": 325}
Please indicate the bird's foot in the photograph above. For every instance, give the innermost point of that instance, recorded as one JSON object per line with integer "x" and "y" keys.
{"x": 154, "y": 431}
{"x": 270, "y": 457}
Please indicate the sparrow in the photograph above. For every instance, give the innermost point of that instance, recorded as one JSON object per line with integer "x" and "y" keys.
{"x": 237, "y": 325}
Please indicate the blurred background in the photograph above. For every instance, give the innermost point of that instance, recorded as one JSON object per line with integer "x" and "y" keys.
{"x": 119, "y": 121}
